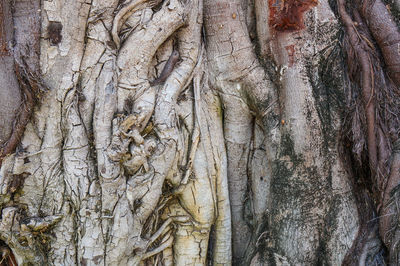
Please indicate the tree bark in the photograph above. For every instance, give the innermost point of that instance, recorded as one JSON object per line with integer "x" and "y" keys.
{"x": 195, "y": 132}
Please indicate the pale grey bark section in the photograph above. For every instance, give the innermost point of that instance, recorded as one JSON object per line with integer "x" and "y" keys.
{"x": 119, "y": 172}
{"x": 119, "y": 185}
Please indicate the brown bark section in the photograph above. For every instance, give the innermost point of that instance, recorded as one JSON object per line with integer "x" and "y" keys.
{"x": 365, "y": 206}
{"x": 3, "y": 38}
{"x": 375, "y": 119}
{"x": 385, "y": 32}
{"x": 364, "y": 61}
{"x": 28, "y": 88}
{"x": 9, "y": 91}
{"x": 26, "y": 22}
{"x": 389, "y": 214}
{"x": 26, "y": 17}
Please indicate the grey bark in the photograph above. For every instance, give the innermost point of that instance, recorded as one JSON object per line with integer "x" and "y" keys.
{"x": 232, "y": 159}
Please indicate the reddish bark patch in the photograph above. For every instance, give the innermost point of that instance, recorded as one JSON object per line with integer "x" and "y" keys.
{"x": 3, "y": 40}
{"x": 287, "y": 15}
{"x": 290, "y": 51}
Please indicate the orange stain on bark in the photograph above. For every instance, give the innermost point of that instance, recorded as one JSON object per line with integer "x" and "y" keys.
{"x": 287, "y": 15}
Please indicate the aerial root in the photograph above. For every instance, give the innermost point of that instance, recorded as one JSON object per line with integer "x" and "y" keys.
{"x": 162, "y": 230}
{"x": 165, "y": 243}
{"x": 195, "y": 144}
{"x": 123, "y": 14}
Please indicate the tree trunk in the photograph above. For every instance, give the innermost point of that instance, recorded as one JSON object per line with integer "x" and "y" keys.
{"x": 195, "y": 132}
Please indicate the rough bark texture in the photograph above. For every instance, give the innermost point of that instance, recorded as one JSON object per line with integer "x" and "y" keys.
{"x": 9, "y": 91}
{"x": 195, "y": 132}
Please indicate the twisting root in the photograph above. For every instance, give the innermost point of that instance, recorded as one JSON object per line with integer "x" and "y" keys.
{"x": 196, "y": 130}
{"x": 356, "y": 43}
{"x": 160, "y": 248}
{"x": 160, "y": 231}
{"x": 166, "y": 242}
{"x": 195, "y": 144}
{"x": 123, "y": 15}
{"x": 30, "y": 88}
{"x": 365, "y": 63}
{"x": 366, "y": 72}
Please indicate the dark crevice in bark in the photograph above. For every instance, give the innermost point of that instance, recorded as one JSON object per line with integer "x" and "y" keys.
{"x": 257, "y": 242}
{"x": 7, "y": 257}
